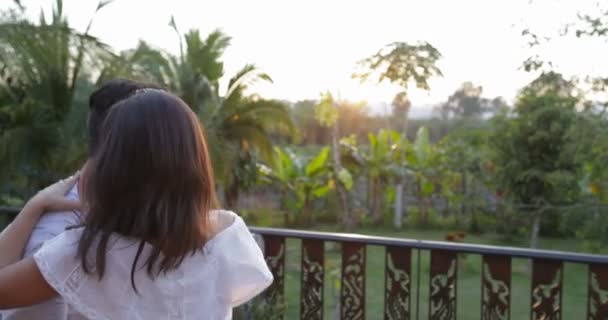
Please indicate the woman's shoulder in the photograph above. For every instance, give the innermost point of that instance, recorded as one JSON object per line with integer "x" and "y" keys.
{"x": 224, "y": 226}
{"x": 221, "y": 220}
{"x": 242, "y": 269}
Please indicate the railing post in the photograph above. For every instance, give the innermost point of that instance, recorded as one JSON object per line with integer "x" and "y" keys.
{"x": 311, "y": 299}
{"x": 546, "y": 293}
{"x": 442, "y": 285}
{"x": 274, "y": 251}
{"x": 597, "y": 305}
{"x": 352, "y": 288}
{"x": 495, "y": 287}
{"x": 397, "y": 281}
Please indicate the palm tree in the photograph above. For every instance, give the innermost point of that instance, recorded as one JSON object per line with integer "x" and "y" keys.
{"x": 42, "y": 67}
{"x": 239, "y": 126}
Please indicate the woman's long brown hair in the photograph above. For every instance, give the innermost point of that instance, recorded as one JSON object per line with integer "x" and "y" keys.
{"x": 150, "y": 180}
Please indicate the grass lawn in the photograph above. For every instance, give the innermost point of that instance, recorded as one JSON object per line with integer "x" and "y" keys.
{"x": 469, "y": 282}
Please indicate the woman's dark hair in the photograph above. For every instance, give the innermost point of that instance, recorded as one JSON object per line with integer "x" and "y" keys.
{"x": 151, "y": 180}
{"x": 103, "y": 98}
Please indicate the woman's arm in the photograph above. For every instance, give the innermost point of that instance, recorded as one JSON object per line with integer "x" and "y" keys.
{"x": 22, "y": 284}
{"x": 14, "y": 237}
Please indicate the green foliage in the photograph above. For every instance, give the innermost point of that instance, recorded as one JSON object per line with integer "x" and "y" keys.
{"x": 549, "y": 150}
{"x": 325, "y": 111}
{"x": 531, "y": 146}
{"x": 467, "y": 102}
{"x": 345, "y": 178}
{"x": 261, "y": 308}
{"x": 402, "y": 63}
{"x": 239, "y": 126}
{"x": 301, "y": 179}
{"x": 43, "y": 68}
{"x": 317, "y": 163}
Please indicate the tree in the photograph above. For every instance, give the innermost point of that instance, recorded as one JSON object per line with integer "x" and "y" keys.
{"x": 143, "y": 63}
{"x": 239, "y": 125}
{"x": 310, "y": 131}
{"x": 380, "y": 165}
{"x": 240, "y": 128}
{"x": 402, "y": 63}
{"x": 43, "y": 67}
{"x": 354, "y": 119}
{"x": 467, "y": 102}
{"x": 378, "y": 162}
{"x": 401, "y": 109}
{"x": 194, "y": 74}
{"x": 530, "y": 148}
{"x": 327, "y": 114}
{"x": 590, "y": 150}
{"x": 427, "y": 165}
{"x": 301, "y": 179}
{"x": 466, "y": 152}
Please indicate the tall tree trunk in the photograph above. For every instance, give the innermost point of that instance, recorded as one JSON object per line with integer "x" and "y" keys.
{"x": 231, "y": 195}
{"x": 475, "y": 227}
{"x": 369, "y": 194}
{"x": 465, "y": 198}
{"x": 398, "y": 214}
{"x": 400, "y": 181}
{"x": 535, "y": 229}
{"x": 283, "y": 208}
{"x": 423, "y": 214}
{"x": 377, "y": 214}
{"x": 307, "y": 213}
{"x": 347, "y": 218}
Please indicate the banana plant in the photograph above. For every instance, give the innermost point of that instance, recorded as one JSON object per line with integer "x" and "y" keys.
{"x": 326, "y": 113}
{"x": 300, "y": 180}
{"x": 426, "y": 164}
{"x": 377, "y": 162}
{"x": 381, "y": 167}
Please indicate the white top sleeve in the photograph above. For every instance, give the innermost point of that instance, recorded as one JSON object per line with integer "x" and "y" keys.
{"x": 244, "y": 271}
{"x": 51, "y": 224}
{"x": 57, "y": 263}
{"x": 227, "y": 272}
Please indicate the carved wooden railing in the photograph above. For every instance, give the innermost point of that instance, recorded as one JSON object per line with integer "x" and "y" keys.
{"x": 545, "y": 293}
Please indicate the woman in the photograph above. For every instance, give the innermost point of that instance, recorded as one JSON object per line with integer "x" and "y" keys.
{"x": 151, "y": 247}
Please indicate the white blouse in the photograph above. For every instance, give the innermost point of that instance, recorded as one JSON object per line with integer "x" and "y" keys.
{"x": 228, "y": 271}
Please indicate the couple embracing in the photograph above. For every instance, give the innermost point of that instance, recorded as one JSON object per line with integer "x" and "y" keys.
{"x": 137, "y": 233}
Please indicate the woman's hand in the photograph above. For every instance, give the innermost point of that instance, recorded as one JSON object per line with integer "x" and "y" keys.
{"x": 14, "y": 237}
{"x": 52, "y": 198}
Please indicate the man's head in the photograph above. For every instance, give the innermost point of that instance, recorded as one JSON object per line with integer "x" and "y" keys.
{"x": 103, "y": 98}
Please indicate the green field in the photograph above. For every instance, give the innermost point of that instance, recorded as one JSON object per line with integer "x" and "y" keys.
{"x": 469, "y": 283}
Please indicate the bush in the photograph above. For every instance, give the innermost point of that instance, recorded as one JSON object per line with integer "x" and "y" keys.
{"x": 484, "y": 222}
{"x": 260, "y": 308}
{"x": 261, "y": 217}
{"x": 434, "y": 221}
{"x": 509, "y": 222}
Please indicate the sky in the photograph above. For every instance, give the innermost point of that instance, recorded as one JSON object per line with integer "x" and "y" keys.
{"x": 312, "y": 46}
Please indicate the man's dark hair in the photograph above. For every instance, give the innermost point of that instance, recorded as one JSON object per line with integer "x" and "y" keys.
{"x": 103, "y": 98}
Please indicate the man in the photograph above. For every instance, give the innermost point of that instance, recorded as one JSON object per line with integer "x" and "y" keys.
{"x": 53, "y": 223}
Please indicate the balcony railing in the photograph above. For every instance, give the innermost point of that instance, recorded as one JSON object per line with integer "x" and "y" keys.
{"x": 545, "y": 294}
{"x": 547, "y": 276}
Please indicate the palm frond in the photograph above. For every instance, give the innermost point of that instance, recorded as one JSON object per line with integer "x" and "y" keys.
{"x": 273, "y": 115}
{"x": 245, "y": 77}
{"x": 251, "y": 135}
